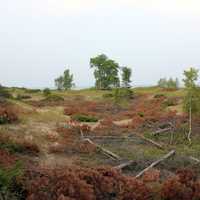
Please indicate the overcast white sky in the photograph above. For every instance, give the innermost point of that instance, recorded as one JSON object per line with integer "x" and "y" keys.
{"x": 40, "y": 38}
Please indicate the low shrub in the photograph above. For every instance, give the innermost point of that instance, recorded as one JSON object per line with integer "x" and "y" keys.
{"x": 108, "y": 95}
{"x": 4, "y": 93}
{"x": 183, "y": 186}
{"x": 53, "y": 97}
{"x": 71, "y": 110}
{"x": 18, "y": 147}
{"x": 21, "y": 97}
{"x": 32, "y": 90}
{"x": 7, "y": 115}
{"x": 83, "y": 184}
{"x": 10, "y": 170}
{"x": 159, "y": 96}
{"x": 170, "y": 102}
{"x": 46, "y": 92}
{"x": 122, "y": 94}
{"x": 84, "y": 118}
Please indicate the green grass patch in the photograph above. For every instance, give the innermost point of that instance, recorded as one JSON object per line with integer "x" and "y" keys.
{"x": 84, "y": 118}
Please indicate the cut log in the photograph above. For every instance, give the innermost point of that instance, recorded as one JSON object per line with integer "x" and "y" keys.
{"x": 123, "y": 165}
{"x": 171, "y": 153}
{"x": 105, "y": 137}
{"x": 194, "y": 159}
{"x": 161, "y": 131}
{"x": 103, "y": 150}
{"x": 151, "y": 141}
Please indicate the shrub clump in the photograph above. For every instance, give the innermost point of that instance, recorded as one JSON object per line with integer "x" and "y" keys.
{"x": 46, "y": 92}
{"x": 7, "y": 115}
{"x": 10, "y": 170}
{"x": 83, "y": 184}
{"x": 84, "y": 118}
{"x": 18, "y": 147}
{"x": 183, "y": 186}
{"x": 53, "y": 98}
{"x": 4, "y": 93}
{"x": 21, "y": 97}
{"x": 159, "y": 96}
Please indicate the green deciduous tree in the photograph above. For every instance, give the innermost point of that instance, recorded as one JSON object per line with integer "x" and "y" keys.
{"x": 59, "y": 83}
{"x": 105, "y": 72}
{"x": 65, "y": 81}
{"x": 170, "y": 83}
{"x": 192, "y": 98}
{"x": 126, "y": 76}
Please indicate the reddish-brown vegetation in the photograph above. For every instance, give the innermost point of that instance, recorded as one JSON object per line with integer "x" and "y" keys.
{"x": 83, "y": 184}
{"x": 7, "y": 115}
{"x": 6, "y": 159}
{"x": 183, "y": 186}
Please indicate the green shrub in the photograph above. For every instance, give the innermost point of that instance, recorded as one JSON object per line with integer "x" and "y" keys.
{"x": 141, "y": 114}
{"x": 4, "y": 93}
{"x": 7, "y": 115}
{"x": 170, "y": 102}
{"x": 46, "y": 91}
{"x": 121, "y": 94}
{"x": 84, "y": 118}
{"x": 108, "y": 95}
{"x": 54, "y": 97}
{"x": 13, "y": 147}
{"x": 21, "y": 97}
{"x": 32, "y": 90}
{"x": 9, "y": 189}
{"x": 156, "y": 96}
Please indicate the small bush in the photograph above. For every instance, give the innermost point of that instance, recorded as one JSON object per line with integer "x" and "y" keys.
{"x": 46, "y": 92}
{"x": 71, "y": 110}
{"x": 7, "y": 115}
{"x": 84, "y": 118}
{"x": 159, "y": 96}
{"x": 123, "y": 93}
{"x": 108, "y": 95}
{"x": 170, "y": 102}
{"x": 10, "y": 170}
{"x": 183, "y": 186}
{"x": 21, "y": 97}
{"x": 18, "y": 147}
{"x": 32, "y": 90}
{"x": 54, "y": 97}
{"x": 4, "y": 93}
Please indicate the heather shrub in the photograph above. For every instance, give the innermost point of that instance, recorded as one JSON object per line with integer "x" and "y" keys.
{"x": 18, "y": 146}
{"x": 10, "y": 170}
{"x": 183, "y": 186}
{"x": 7, "y": 115}
{"x": 83, "y": 184}
{"x": 170, "y": 102}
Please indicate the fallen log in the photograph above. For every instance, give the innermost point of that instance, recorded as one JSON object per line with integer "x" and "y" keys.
{"x": 123, "y": 165}
{"x": 194, "y": 159}
{"x": 150, "y": 141}
{"x": 103, "y": 150}
{"x": 171, "y": 153}
{"x": 161, "y": 131}
{"x": 105, "y": 137}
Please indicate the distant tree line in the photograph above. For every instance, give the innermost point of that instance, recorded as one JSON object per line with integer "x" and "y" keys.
{"x": 106, "y": 73}
{"x": 168, "y": 83}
